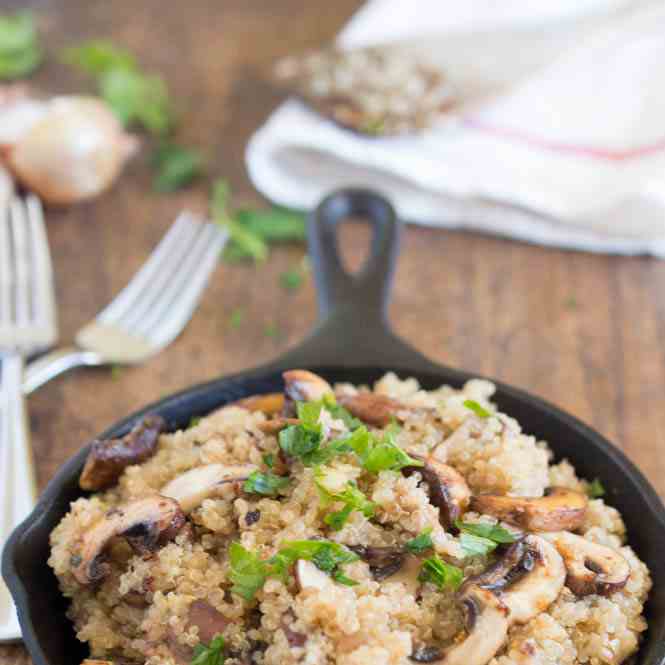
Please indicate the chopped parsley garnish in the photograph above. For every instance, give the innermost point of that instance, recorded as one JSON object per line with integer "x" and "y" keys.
{"x": 269, "y": 460}
{"x": 380, "y": 454}
{"x": 267, "y": 484}
{"x": 236, "y": 317}
{"x": 212, "y": 654}
{"x": 493, "y": 532}
{"x": 249, "y": 573}
{"x": 442, "y": 574}
{"x": 478, "y": 409}
{"x": 476, "y": 545}
{"x": 291, "y": 279}
{"x": 20, "y": 53}
{"x": 352, "y": 498}
{"x": 175, "y": 166}
{"x": 253, "y": 231}
{"x": 595, "y": 490}
{"x": 421, "y": 543}
{"x": 194, "y": 421}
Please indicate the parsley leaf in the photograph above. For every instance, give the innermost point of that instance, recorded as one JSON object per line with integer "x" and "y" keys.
{"x": 212, "y": 654}
{"x": 440, "y": 573}
{"x": 349, "y": 495}
{"x": 253, "y": 231}
{"x": 494, "y": 532}
{"x": 20, "y": 54}
{"x": 248, "y": 572}
{"x": 476, "y": 545}
{"x": 269, "y": 460}
{"x": 97, "y": 57}
{"x": 176, "y": 166}
{"x": 267, "y": 484}
{"x": 291, "y": 279}
{"x": 385, "y": 454}
{"x": 478, "y": 409}
{"x": 421, "y": 543}
{"x": 595, "y": 489}
{"x": 299, "y": 441}
{"x": 236, "y": 317}
{"x": 194, "y": 421}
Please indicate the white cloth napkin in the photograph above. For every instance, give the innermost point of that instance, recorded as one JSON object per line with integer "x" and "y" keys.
{"x": 571, "y": 154}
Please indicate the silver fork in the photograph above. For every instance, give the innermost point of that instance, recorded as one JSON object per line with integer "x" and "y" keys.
{"x": 150, "y": 312}
{"x": 27, "y": 325}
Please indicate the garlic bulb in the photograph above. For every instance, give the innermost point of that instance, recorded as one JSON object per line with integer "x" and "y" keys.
{"x": 73, "y": 149}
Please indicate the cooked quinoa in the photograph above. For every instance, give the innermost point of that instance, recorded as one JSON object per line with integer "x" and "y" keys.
{"x": 154, "y": 604}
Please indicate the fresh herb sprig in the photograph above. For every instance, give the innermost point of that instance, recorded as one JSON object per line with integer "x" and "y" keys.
{"x": 477, "y": 408}
{"x": 267, "y": 484}
{"x": 352, "y": 498}
{"x": 480, "y": 539}
{"x": 595, "y": 489}
{"x": 443, "y": 575}
{"x": 249, "y": 572}
{"x": 252, "y": 232}
{"x": 210, "y": 654}
{"x": 20, "y": 52}
{"x": 421, "y": 543}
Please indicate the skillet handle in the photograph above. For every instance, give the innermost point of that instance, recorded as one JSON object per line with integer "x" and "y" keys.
{"x": 353, "y": 329}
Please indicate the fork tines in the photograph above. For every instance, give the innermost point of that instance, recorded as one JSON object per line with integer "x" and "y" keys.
{"x": 27, "y": 304}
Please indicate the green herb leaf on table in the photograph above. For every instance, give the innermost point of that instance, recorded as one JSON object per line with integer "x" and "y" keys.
{"x": 267, "y": 484}
{"x": 175, "y": 166}
{"x": 211, "y": 654}
{"x": 493, "y": 532}
{"x": 20, "y": 53}
{"x": 291, "y": 279}
{"x": 421, "y": 543}
{"x": 441, "y": 574}
{"x": 478, "y": 409}
{"x": 595, "y": 490}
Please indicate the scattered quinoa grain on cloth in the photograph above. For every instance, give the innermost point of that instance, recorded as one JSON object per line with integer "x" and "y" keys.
{"x": 343, "y": 525}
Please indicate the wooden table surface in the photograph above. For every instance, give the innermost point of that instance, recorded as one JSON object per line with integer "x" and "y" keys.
{"x": 585, "y": 332}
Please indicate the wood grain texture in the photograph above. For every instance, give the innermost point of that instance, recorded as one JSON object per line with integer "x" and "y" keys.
{"x": 585, "y": 332}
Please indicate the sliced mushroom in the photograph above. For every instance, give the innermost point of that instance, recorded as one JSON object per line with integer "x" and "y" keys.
{"x": 304, "y": 386}
{"x": 146, "y": 524}
{"x": 506, "y": 570}
{"x": 448, "y": 490}
{"x": 276, "y": 425}
{"x": 191, "y": 488}
{"x": 383, "y": 561}
{"x": 592, "y": 568}
{"x": 536, "y": 582}
{"x": 372, "y": 408}
{"x": 108, "y": 459}
{"x": 424, "y": 653}
{"x": 408, "y": 574}
{"x": 308, "y": 576}
{"x": 271, "y": 403}
{"x": 562, "y": 509}
{"x": 486, "y": 621}
{"x": 207, "y": 619}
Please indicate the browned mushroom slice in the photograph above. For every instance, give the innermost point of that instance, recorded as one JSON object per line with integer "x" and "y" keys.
{"x": 304, "y": 386}
{"x": 207, "y": 619}
{"x": 383, "y": 561}
{"x": 448, "y": 490}
{"x": 270, "y": 403}
{"x": 276, "y": 425}
{"x": 592, "y": 568}
{"x": 561, "y": 509}
{"x": 372, "y": 408}
{"x": 191, "y": 488}
{"x": 146, "y": 524}
{"x": 108, "y": 459}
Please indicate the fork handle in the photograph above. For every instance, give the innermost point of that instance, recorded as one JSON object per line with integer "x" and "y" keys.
{"x": 57, "y": 362}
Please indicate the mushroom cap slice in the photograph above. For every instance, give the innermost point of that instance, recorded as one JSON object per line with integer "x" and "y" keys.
{"x": 191, "y": 488}
{"x": 276, "y": 425}
{"x": 308, "y": 576}
{"x": 562, "y": 509}
{"x": 540, "y": 584}
{"x": 487, "y": 621}
{"x": 108, "y": 459}
{"x": 592, "y": 568}
{"x": 146, "y": 524}
{"x": 372, "y": 408}
{"x": 304, "y": 386}
{"x": 270, "y": 403}
{"x": 448, "y": 490}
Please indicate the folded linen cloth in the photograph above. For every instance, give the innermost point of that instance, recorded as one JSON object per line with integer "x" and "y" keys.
{"x": 570, "y": 153}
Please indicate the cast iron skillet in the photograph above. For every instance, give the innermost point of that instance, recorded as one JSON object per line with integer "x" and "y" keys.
{"x": 353, "y": 342}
